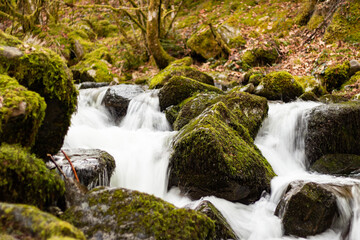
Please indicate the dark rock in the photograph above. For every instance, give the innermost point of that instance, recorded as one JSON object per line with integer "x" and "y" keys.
{"x": 338, "y": 164}
{"x": 307, "y": 209}
{"x": 117, "y": 99}
{"x": 222, "y": 228}
{"x": 309, "y": 96}
{"x": 331, "y": 98}
{"x": 125, "y": 214}
{"x": 354, "y": 67}
{"x": 214, "y": 154}
{"x": 94, "y": 167}
{"x": 10, "y": 52}
{"x": 28, "y": 222}
{"x": 178, "y": 89}
{"x": 333, "y": 129}
{"x": 86, "y": 85}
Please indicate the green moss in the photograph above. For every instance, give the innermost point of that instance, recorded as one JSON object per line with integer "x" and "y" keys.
{"x": 279, "y": 86}
{"x": 25, "y": 179}
{"x": 19, "y": 125}
{"x": 344, "y": 25}
{"x": 355, "y": 78}
{"x": 104, "y": 28}
{"x": 305, "y": 12}
{"x": 28, "y": 221}
{"x": 260, "y": 56}
{"x": 337, "y": 164}
{"x": 311, "y": 84}
{"x": 237, "y": 42}
{"x": 164, "y": 75}
{"x": 204, "y": 44}
{"x": 121, "y": 211}
{"x": 179, "y": 88}
{"x": 315, "y": 21}
{"x": 335, "y": 76}
{"x": 8, "y": 40}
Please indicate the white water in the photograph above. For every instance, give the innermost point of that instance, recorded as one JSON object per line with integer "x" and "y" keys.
{"x": 141, "y": 147}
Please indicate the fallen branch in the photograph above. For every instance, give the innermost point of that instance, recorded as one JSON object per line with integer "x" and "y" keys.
{"x": 72, "y": 167}
{"x": 57, "y": 166}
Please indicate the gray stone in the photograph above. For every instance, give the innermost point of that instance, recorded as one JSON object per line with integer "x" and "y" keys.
{"x": 354, "y": 67}
{"x": 117, "y": 99}
{"x": 86, "y": 85}
{"x": 10, "y": 52}
{"x": 79, "y": 50}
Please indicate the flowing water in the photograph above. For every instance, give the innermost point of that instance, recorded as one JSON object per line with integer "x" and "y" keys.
{"x": 141, "y": 146}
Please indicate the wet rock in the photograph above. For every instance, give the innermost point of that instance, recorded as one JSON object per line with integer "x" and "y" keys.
{"x": 117, "y": 99}
{"x": 222, "y": 228}
{"x": 109, "y": 213}
{"x": 279, "y": 86}
{"x": 19, "y": 221}
{"x": 338, "y": 164}
{"x": 10, "y": 52}
{"x": 309, "y": 96}
{"x": 214, "y": 154}
{"x": 86, "y": 85}
{"x": 332, "y": 129}
{"x": 94, "y": 167}
{"x": 25, "y": 179}
{"x": 354, "y": 67}
{"x": 307, "y": 209}
{"x": 178, "y": 89}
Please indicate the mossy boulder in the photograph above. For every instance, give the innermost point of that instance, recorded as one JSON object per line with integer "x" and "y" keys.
{"x": 121, "y": 213}
{"x": 174, "y": 69}
{"x": 214, "y": 155}
{"x": 309, "y": 96}
{"x": 104, "y": 28}
{"x": 307, "y": 209}
{"x": 333, "y": 129}
{"x": 28, "y": 222}
{"x": 222, "y": 228}
{"x": 25, "y": 179}
{"x": 335, "y": 76}
{"x": 337, "y": 164}
{"x": 8, "y": 40}
{"x": 95, "y": 67}
{"x": 43, "y": 71}
{"x": 204, "y": 44}
{"x": 21, "y": 112}
{"x": 261, "y": 56}
{"x": 311, "y": 84}
{"x": 180, "y": 88}
{"x": 279, "y": 86}
{"x": 305, "y": 12}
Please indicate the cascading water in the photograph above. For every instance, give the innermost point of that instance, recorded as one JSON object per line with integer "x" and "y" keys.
{"x": 141, "y": 148}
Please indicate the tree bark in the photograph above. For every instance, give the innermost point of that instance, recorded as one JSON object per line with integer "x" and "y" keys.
{"x": 162, "y": 58}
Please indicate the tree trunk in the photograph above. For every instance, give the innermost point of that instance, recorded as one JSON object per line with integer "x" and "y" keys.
{"x": 162, "y": 58}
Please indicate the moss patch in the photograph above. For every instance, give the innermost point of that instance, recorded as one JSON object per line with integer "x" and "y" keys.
{"x": 204, "y": 44}
{"x": 25, "y": 179}
{"x": 335, "y": 76}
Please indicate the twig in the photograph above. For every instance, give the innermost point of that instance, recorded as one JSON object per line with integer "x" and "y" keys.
{"x": 72, "y": 167}
{"x": 57, "y": 166}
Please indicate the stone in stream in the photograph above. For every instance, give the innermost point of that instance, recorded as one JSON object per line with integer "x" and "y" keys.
{"x": 117, "y": 99}
{"x": 116, "y": 213}
{"x": 333, "y": 129}
{"x": 338, "y": 164}
{"x": 309, "y": 208}
{"x": 94, "y": 167}
{"x": 86, "y": 85}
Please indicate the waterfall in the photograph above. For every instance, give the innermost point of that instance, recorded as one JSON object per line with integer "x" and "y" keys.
{"x": 141, "y": 147}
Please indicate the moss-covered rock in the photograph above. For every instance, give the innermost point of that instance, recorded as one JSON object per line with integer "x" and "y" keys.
{"x": 174, "y": 69}
{"x": 335, "y": 76}
{"x": 309, "y": 96}
{"x": 333, "y": 98}
{"x": 307, "y": 209}
{"x": 43, "y": 71}
{"x": 305, "y": 12}
{"x": 215, "y": 155}
{"x": 222, "y": 228}
{"x": 28, "y": 222}
{"x": 104, "y": 28}
{"x": 25, "y": 179}
{"x": 179, "y": 88}
{"x": 337, "y": 164}
{"x": 332, "y": 129}
{"x": 8, "y": 40}
{"x": 94, "y": 67}
{"x": 21, "y": 112}
{"x": 311, "y": 84}
{"x": 121, "y": 213}
{"x": 279, "y": 86}
{"x": 260, "y": 56}
{"x": 204, "y": 44}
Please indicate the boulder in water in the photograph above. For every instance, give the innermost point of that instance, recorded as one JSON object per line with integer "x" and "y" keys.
{"x": 117, "y": 99}
{"x": 222, "y": 228}
{"x": 94, "y": 167}
{"x": 25, "y": 179}
{"x": 279, "y": 86}
{"x": 21, "y": 112}
{"x": 179, "y": 88}
{"x": 214, "y": 155}
{"x": 333, "y": 129}
{"x": 338, "y": 164}
{"x": 124, "y": 214}
{"x": 307, "y": 209}
{"x": 19, "y": 221}
{"x": 86, "y": 85}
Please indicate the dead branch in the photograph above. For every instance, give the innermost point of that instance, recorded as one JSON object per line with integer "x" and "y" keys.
{"x": 57, "y": 166}
{"x": 72, "y": 167}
